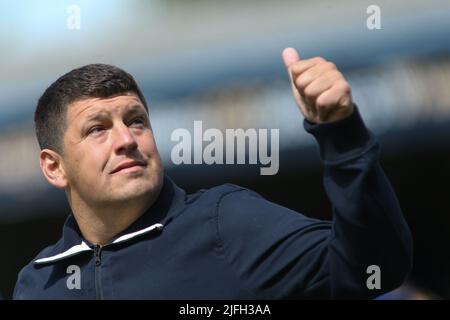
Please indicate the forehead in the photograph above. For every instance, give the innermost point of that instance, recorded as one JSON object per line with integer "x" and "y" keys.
{"x": 82, "y": 109}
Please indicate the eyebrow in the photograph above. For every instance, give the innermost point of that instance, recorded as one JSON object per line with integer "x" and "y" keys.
{"x": 97, "y": 116}
{"x": 101, "y": 115}
{"x": 135, "y": 109}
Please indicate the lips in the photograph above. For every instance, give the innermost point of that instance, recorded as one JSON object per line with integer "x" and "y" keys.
{"x": 128, "y": 164}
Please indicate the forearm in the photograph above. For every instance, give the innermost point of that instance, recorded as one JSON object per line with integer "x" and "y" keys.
{"x": 368, "y": 227}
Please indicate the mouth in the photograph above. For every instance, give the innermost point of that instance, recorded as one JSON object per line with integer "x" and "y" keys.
{"x": 132, "y": 166}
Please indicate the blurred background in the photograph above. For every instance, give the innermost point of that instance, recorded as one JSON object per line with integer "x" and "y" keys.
{"x": 220, "y": 62}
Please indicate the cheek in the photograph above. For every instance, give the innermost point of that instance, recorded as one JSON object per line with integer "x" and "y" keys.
{"x": 88, "y": 163}
{"x": 147, "y": 145}
{"x": 96, "y": 158}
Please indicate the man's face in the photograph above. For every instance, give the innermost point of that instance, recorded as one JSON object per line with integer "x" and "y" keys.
{"x": 110, "y": 153}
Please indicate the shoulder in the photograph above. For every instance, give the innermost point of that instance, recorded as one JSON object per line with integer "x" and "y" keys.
{"x": 30, "y": 275}
{"x": 231, "y": 199}
{"x": 212, "y": 196}
{"x": 245, "y": 212}
{"x": 226, "y": 203}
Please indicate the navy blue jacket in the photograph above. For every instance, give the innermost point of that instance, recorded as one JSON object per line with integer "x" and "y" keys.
{"x": 228, "y": 242}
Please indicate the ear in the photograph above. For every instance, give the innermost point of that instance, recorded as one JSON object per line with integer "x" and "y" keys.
{"x": 52, "y": 168}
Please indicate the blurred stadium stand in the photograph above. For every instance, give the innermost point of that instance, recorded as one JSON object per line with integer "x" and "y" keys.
{"x": 219, "y": 62}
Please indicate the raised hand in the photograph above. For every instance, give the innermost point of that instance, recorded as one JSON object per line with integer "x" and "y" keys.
{"x": 320, "y": 90}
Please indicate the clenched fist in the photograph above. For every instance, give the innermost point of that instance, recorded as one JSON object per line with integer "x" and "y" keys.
{"x": 320, "y": 90}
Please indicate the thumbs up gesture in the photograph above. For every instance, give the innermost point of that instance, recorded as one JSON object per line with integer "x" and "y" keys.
{"x": 320, "y": 90}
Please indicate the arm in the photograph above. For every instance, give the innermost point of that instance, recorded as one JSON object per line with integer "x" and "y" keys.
{"x": 368, "y": 225}
{"x": 364, "y": 203}
{"x": 279, "y": 253}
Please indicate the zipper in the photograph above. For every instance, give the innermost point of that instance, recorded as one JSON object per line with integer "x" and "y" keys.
{"x": 98, "y": 272}
{"x": 98, "y": 265}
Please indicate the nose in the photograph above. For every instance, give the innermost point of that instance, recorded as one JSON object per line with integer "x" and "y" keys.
{"x": 124, "y": 140}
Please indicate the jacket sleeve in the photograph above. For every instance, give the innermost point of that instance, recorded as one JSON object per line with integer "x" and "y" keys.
{"x": 281, "y": 254}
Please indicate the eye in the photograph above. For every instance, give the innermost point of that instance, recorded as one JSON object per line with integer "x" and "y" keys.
{"x": 95, "y": 130}
{"x": 140, "y": 122}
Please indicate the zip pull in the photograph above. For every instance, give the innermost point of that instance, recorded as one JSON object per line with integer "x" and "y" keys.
{"x": 97, "y": 251}
{"x": 98, "y": 272}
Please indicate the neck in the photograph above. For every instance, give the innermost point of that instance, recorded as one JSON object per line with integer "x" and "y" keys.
{"x": 99, "y": 224}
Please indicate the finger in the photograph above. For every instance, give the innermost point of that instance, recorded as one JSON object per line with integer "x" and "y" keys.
{"x": 304, "y": 105}
{"x": 337, "y": 95}
{"x": 335, "y": 103}
{"x": 321, "y": 84}
{"x": 303, "y": 65}
{"x": 290, "y": 56}
{"x": 324, "y": 113}
{"x": 306, "y": 78}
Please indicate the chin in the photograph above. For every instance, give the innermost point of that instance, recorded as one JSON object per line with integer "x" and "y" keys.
{"x": 138, "y": 190}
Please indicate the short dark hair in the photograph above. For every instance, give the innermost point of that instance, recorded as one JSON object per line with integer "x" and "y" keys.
{"x": 90, "y": 81}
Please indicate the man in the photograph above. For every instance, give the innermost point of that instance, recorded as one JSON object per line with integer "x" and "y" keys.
{"x": 134, "y": 234}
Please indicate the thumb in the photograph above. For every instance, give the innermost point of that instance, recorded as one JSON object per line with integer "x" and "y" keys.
{"x": 290, "y": 56}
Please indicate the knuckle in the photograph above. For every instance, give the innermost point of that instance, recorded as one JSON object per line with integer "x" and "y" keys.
{"x": 302, "y": 81}
{"x": 321, "y": 102}
{"x": 345, "y": 87}
{"x": 297, "y": 67}
{"x": 309, "y": 91}
{"x": 331, "y": 65}
{"x": 319, "y": 59}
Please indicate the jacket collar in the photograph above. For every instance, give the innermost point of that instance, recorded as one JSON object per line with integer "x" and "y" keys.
{"x": 169, "y": 202}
